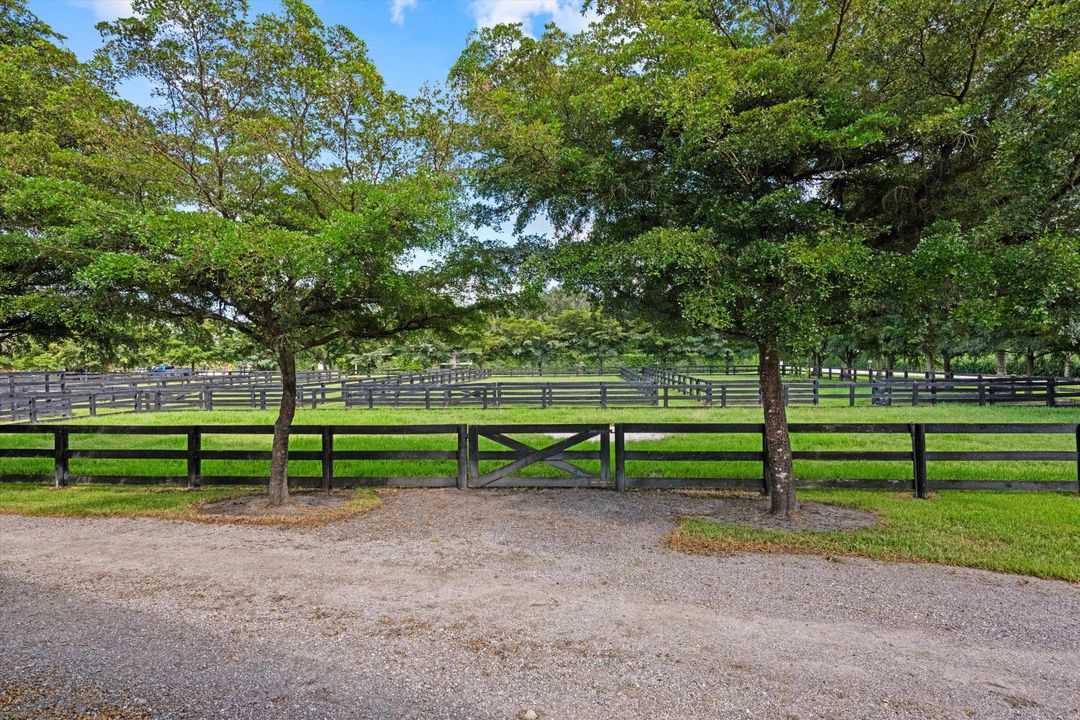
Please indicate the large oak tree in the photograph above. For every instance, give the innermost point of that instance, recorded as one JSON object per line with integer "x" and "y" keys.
{"x": 737, "y": 164}
{"x": 310, "y": 203}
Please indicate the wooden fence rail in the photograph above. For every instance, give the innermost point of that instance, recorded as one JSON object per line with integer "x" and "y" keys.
{"x": 63, "y": 396}
{"x": 918, "y": 455}
{"x": 555, "y": 446}
{"x": 194, "y": 454}
{"x": 496, "y": 394}
{"x": 977, "y": 391}
{"x": 651, "y": 387}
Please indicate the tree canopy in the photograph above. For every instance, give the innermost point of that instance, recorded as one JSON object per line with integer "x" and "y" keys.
{"x": 743, "y": 165}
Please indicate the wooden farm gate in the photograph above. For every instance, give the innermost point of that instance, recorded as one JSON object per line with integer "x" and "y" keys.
{"x": 554, "y": 452}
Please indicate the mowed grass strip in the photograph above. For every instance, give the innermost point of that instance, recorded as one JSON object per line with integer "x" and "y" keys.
{"x": 543, "y": 379}
{"x": 1021, "y": 533}
{"x": 94, "y": 501}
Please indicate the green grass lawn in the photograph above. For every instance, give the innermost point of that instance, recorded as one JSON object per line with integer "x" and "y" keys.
{"x": 101, "y": 500}
{"x": 555, "y": 379}
{"x": 127, "y": 501}
{"x": 1022, "y": 533}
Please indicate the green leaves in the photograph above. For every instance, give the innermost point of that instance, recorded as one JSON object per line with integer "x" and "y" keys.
{"x": 765, "y": 173}
{"x": 316, "y": 205}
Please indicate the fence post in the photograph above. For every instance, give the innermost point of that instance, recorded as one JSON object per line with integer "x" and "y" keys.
{"x": 764, "y": 462}
{"x": 474, "y": 454}
{"x": 327, "y": 458}
{"x": 60, "y": 463}
{"x": 1051, "y": 394}
{"x": 851, "y": 395}
{"x": 817, "y": 391}
{"x": 462, "y": 457}
{"x": 620, "y": 457}
{"x": 194, "y": 462}
{"x": 1078, "y": 458}
{"x": 918, "y": 455}
{"x": 605, "y": 456}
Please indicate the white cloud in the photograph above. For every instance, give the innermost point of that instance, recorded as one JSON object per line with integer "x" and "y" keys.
{"x": 397, "y": 10}
{"x": 106, "y": 9}
{"x": 564, "y": 13}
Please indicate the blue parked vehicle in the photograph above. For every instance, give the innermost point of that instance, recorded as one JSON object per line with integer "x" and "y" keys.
{"x": 170, "y": 370}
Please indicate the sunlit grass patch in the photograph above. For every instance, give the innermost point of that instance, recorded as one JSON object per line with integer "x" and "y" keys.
{"x": 95, "y": 501}
{"x": 1021, "y": 533}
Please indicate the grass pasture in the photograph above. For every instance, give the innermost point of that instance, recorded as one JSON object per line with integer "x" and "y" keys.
{"x": 544, "y": 379}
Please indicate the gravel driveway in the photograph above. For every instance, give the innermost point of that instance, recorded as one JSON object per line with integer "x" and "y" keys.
{"x": 502, "y": 604}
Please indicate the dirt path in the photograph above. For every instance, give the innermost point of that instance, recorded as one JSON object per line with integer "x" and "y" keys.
{"x": 446, "y": 604}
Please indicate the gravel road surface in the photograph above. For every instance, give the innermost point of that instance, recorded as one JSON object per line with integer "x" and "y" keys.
{"x": 503, "y": 604}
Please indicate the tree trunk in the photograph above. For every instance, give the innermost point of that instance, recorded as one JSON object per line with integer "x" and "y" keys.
{"x": 890, "y": 364}
{"x": 1002, "y": 364}
{"x": 1029, "y": 363}
{"x": 778, "y": 463}
{"x": 279, "y": 457}
{"x": 946, "y": 364}
{"x": 1066, "y": 370}
{"x": 931, "y": 366}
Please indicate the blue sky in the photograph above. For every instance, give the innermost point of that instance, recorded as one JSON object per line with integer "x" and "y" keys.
{"x": 411, "y": 41}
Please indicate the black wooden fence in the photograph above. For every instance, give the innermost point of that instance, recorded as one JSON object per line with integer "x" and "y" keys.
{"x": 554, "y": 446}
{"x": 1047, "y": 391}
{"x": 918, "y": 455}
{"x": 66, "y": 395}
{"x": 194, "y": 454}
{"x": 497, "y": 394}
{"x": 33, "y": 396}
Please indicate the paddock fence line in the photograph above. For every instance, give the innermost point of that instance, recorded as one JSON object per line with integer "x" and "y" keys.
{"x": 194, "y": 454}
{"x": 1048, "y": 391}
{"x": 50, "y": 395}
{"x": 60, "y": 395}
{"x": 508, "y": 449}
{"x": 498, "y": 394}
{"x": 832, "y": 373}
